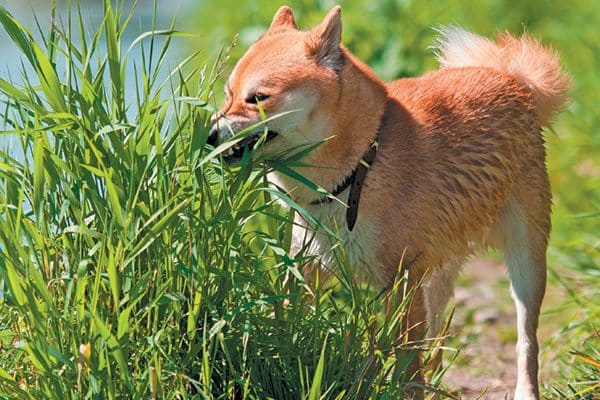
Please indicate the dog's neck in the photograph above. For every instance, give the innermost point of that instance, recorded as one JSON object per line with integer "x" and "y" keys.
{"x": 353, "y": 128}
{"x": 354, "y": 182}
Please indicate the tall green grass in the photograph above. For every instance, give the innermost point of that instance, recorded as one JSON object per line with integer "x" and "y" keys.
{"x": 133, "y": 264}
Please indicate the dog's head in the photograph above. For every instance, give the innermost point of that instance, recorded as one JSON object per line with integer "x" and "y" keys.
{"x": 287, "y": 72}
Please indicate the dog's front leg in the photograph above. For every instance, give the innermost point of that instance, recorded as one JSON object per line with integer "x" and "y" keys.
{"x": 416, "y": 331}
{"x": 413, "y": 329}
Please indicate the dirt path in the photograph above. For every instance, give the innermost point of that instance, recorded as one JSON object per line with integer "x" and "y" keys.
{"x": 484, "y": 328}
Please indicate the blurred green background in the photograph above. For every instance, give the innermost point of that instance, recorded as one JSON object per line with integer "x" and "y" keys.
{"x": 394, "y": 37}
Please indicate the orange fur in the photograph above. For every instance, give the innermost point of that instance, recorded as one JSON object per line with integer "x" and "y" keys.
{"x": 523, "y": 58}
{"x": 461, "y": 160}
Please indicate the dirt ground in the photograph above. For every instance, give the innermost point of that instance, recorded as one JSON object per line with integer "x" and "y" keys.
{"x": 484, "y": 328}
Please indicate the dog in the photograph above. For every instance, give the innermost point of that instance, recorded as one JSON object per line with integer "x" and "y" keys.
{"x": 428, "y": 169}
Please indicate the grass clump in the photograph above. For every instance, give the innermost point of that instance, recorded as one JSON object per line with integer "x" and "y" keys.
{"x": 135, "y": 265}
{"x": 579, "y": 337}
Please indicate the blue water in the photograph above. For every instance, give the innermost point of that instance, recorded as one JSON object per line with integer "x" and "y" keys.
{"x": 25, "y": 11}
{"x": 13, "y": 63}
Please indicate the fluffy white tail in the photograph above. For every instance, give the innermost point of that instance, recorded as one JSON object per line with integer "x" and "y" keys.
{"x": 524, "y": 58}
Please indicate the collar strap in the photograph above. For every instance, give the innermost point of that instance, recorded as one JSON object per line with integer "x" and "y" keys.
{"x": 355, "y": 180}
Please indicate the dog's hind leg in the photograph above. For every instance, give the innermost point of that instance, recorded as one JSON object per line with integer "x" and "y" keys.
{"x": 521, "y": 233}
{"x": 439, "y": 289}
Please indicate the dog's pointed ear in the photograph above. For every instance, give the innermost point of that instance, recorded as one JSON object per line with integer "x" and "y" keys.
{"x": 325, "y": 39}
{"x": 283, "y": 20}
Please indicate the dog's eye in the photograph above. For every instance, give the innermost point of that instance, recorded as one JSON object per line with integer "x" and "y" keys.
{"x": 255, "y": 98}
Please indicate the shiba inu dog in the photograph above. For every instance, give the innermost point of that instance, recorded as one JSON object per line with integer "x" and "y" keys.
{"x": 427, "y": 169}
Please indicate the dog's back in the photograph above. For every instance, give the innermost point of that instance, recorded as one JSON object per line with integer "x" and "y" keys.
{"x": 469, "y": 138}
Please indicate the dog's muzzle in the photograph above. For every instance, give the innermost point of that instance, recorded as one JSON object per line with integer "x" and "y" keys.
{"x": 219, "y": 134}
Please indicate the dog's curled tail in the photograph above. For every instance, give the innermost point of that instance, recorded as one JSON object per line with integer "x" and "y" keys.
{"x": 524, "y": 58}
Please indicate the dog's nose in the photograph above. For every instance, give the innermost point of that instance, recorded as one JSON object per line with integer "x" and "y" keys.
{"x": 213, "y": 135}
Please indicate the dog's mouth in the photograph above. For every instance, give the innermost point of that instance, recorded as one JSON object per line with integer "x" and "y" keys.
{"x": 235, "y": 153}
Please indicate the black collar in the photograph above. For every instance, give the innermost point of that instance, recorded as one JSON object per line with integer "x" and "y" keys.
{"x": 355, "y": 180}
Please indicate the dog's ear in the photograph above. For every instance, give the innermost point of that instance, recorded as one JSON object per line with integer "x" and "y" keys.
{"x": 283, "y": 20}
{"x": 325, "y": 39}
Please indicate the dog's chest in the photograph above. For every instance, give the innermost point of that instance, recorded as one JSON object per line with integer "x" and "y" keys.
{"x": 358, "y": 244}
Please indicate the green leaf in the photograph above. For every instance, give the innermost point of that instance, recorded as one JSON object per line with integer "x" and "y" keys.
{"x": 295, "y": 206}
{"x": 114, "y": 348}
{"x": 38, "y": 178}
{"x": 16, "y": 283}
{"x": 153, "y": 230}
{"x": 315, "y": 387}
